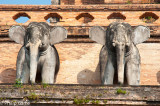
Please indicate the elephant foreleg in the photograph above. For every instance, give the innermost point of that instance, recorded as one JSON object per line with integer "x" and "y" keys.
{"x": 25, "y": 73}
{"x": 20, "y": 63}
{"x": 103, "y": 62}
{"x": 48, "y": 73}
{"x": 109, "y": 73}
{"x": 106, "y": 67}
{"x": 133, "y": 73}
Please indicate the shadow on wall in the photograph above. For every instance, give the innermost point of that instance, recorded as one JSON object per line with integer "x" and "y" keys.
{"x": 8, "y": 76}
{"x": 89, "y": 77}
{"x": 158, "y": 77}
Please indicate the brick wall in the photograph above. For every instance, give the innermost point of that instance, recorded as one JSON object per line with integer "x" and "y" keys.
{"x": 67, "y": 2}
{"x": 79, "y": 63}
{"x": 93, "y": 1}
{"x": 89, "y": 2}
{"x": 79, "y": 55}
{"x": 100, "y": 14}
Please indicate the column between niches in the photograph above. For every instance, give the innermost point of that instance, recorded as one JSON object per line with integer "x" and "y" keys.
{"x": 78, "y": 2}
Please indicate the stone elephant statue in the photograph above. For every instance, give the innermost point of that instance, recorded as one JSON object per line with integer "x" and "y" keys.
{"x": 38, "y": 59}
{"x": 119, "y": 57}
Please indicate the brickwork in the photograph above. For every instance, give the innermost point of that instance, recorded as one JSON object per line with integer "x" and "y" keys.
{"x": 100, "y": 14}
{"x": 89, "y": 2}
{"x": 79, "y": 63}
{"x": 67, "y": 2}
{"x": 78, "y": 54}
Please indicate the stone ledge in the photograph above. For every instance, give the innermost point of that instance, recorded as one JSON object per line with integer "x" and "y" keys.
{"x": 109, "y": 7}
{"x": 80, "y": 94}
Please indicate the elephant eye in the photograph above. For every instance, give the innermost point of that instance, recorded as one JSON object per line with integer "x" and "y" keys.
{"x": 112, "y": 30}
{"x": 27, "y": 46}
{"x": 42, "y": 44}
{"x": 46, "y": 34}
{"x": 114, "y": 44}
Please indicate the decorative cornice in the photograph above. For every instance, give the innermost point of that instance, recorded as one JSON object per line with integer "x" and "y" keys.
{"x": 109, "y": 7}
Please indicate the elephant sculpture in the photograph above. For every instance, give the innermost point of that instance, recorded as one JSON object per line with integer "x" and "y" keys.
{"x": 38, "y": 59}
{"x": 119, "y": 57}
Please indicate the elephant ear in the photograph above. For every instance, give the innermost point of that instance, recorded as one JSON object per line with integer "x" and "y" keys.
{"x": 140, "y": 34}
{"x": 57, "y": 34}
{"x": 98, "y": 34}
{"x": 17, "y": 34}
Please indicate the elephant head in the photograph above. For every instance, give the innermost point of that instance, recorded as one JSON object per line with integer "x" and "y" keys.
{"x": 119, "y": 39}
{"x": 36, "y": 39}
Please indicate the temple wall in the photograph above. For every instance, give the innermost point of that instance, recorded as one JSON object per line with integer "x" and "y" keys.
{"x": 89, "y": 2}
{"x": 79, "y": 63}
{"x": 79, "y": 56}
{"x": 70, "y": 18}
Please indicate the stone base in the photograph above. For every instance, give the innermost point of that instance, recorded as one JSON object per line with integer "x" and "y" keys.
{"x": 79, "y": 94}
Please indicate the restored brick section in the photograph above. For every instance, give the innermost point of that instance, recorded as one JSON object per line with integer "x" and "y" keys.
{"x": 67, "y": 2}
{"x": 88, "y": 2}
{"x": 79, "y": 63}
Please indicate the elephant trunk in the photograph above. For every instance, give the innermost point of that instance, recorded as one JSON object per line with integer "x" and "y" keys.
{"x": 120, "y": 50}
{"x": 33, "y": 61}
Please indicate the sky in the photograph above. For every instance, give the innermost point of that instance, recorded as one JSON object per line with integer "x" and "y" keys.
{"x": 34, "y": 2}
{"x": 28, "y": 2}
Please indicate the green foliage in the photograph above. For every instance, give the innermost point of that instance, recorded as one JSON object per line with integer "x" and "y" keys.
{"x": 95, "y": 102}
{"x": 105, "y": 91}
{"x": 18, "y": 83}
{"x": 81, "y": 101}
{"x": 129, "y": 2}
{"x": 78, "y": 101}
{"x": 100, "y": 95}
{"x": 148, "y": 17}
{"x": 1, "y": 99}
{"x": 120, "y": 91}
{"x": 14, "y": 101}
{"x": 86, "y": 101}
{"x": 105, "y": 101}
{"x": 45, "y": 85}
{"x": 33, "y": 96}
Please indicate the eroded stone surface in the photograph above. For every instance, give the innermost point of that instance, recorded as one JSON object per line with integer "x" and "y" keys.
{"x": 73, "y": 94}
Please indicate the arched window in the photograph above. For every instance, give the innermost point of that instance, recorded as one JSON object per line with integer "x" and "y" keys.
{"x": 116, "y": 16}
{"x": 148, "y": 17}
{"x": 85, "y": 18}
{"x": 53, "y": 18}
{"x": 21, "y": 17}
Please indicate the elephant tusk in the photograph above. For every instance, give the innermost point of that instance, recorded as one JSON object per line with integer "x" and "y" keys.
{"x": 27, "y": 45}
